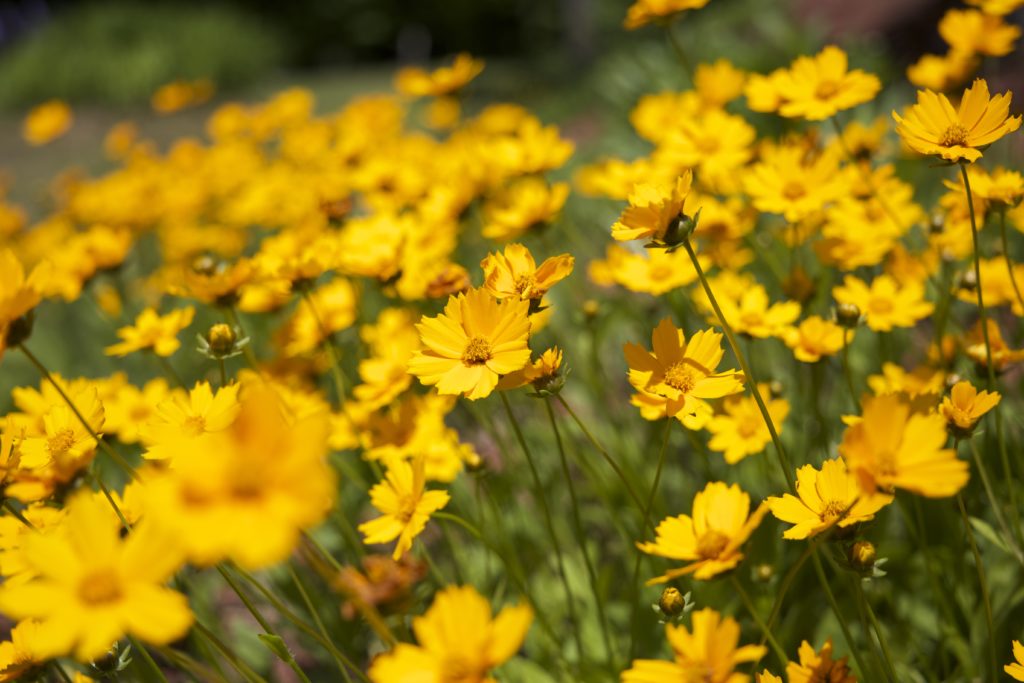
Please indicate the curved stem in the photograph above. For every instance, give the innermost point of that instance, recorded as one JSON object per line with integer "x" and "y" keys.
{"x": 787, "y": 471}
{"x": 982, "y": 583}
{"x": 766, "y": 630}
{"x": 983, "y": 315}
{"x": 823, "y": 580}
{"x": 784, "y": 586}
{"x": 148, "y": 658}
{"x": 890, "y": 670}
{"x": 343, "y": 665}
{"x": 237, "y": 664}
{"x": 847, "y": 372}
{"x": 994, "y": 504}
{"x": 680, "y": 53}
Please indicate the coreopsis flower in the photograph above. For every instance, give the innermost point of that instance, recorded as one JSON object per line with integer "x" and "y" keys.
{"x": 766, "y": 677}
{"x": 738, "y": 429}
{"x": 1002, "y": 188}
{"x": 25, "y": 651}
{"x": 681, "y": 371}
{"x": 815, "y": 338}
{"x": 942, "y": 72}
{"x": 47, "y": 122}
{"x": 615, "y": 178}
{"x": 1002, "y": 355}
{"x": 65, "y": 446}
{"x": 965, "y": 405}
{"x": 817, "y": 87}
{"x": 997, "y": 7}
{"x": 514, "y": 274}
{"x": 460, "y": 641}
{"x": 442, "y": 81}
{"x": 131, "y": 407}
{"x": 101, "y": 588}
{"x": 921, "y": 387}
{"x": 751, "y": 312}
{"x": 709, "y": 650}
{"x": 328, "y": 309}
{"x": 933, "y": 127}
{"x": 214, "y": 281}
{"x": 825, "y": 498}
{"x": 404, "y": 503}
{"x": 885, "y": 303}
{"x": 180, "y": 420}
{"x": 153, "y": 331}
{"x": 178, "y": 95}
{"x": 18, "y": 294}
{"x": 655, "y": 212}
{"x": 655, "y": 271}
{"x": 382, "y": 582}
{"x": 711, "y": 538}
{"x": 889, "y": 448}
{"x": 819, "y": 667}
{"x": 718, "y": 83}
{"x": 789, "y": 182}
{"x": 643, "y": 12}
{"x": 1016, "y": 670}
{"x": 244, "y": 493}
{"x": 974, "y": 32}
{"x": 714, "y": 144}
{"x": 541, "y": 373}
{"x": 472, "y": 343}
{"x": 522, "y": 206}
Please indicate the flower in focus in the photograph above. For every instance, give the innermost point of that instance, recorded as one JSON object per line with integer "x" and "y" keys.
{"x": 47, "y": 122}
{"x": 101, "y": 587}
{"x": 815, "y": 338}
{"x": 541, "y": 373}
{"x": 817, "y": 87}
{"x": 827, "y": 496}
{"x": 443, "y": 81}
{"x": 680, "y": 371}
{"x": 707, "y": 652}
{"x": 965, "y": 405}
{"x": 710, "y": 539}
{"x": 933, "y": 127}
{"x": 885, "y": 303}
{"x": 153, "y": 331}
{"x": 1016, "y": 670}
{"x": 655, "y": 212}
{"x": 643, "y": 12}
{"x": 514, "y": 274}
{"x": 404, "y": 503}
{"x": 472, "y": 343}
{"x": 891, "y": 448}
{"x": 818, "y": 667}
{"x": 460, "y": 641}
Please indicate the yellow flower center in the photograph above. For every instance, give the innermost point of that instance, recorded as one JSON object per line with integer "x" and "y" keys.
{"x": 194, "y": 425}
{"x": 407, "y": 508}
{"x": 460, "y": 669}
{"x": 681, "y": 377}
{"x": 793, "y": 190}
{"x": 478, "y": 351}
{"x": 826, "y": 89}
{"x": 99, "y": 587}
{"x": 708, "y": 145}
{"x": 525, "y": 285}
{"x": 880, "y": 306}
{"x": 955, "y": 136}
{"x": 711, "y": 544}
{"x": 749, "y": 427}
{"x": 831, "y": 510}
{"x": 61, "y": 442}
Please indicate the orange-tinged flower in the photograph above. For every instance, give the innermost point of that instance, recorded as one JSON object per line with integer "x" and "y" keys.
{"x": 643, "y": 12}
{"x": 787, "y": 181}
{"x": 767, "y": 677}
{"x": 998, "y": 7}
{"x": 153, "y": 331}
{"x": 1002, "y": 355}
{"x": 514, "y": 273}
{"x": 965, "y": 405}
{"x": 825, "y": 497}
{"x": 817, "y": 87}
{"x": 472, "y": 343}
{"x": 710, "y": 539}
{"x": 442, "y": 81}
{"x": 933, "y": 127}
{"x": 819, "y": 667}
{"x": 885, "y": 303}
{"x": 47, "y": 122}
{"x": 942, "y": 72}
{"x": 526, "y": 204}
{"x": 680, "y": 370}
{"x": 709, "y": 652}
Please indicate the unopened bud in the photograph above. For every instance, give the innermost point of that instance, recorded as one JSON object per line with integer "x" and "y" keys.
{"x": 221, "y": 338}
{"x": 848, "y": 315}
{"x": 763, "y": 572}
{"x": 672, "y": 603}
{"x": 862, "y": 555}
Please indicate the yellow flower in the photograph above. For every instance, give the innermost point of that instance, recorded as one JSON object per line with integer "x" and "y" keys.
{"x": 643, "y": 12}
{"x": 942, "y": 72}
{"x": 714, "y": 144}
{"x": 970, "y": 31}
{"x": 92, "y": 587}
{"x": 404, "y": 503}
{"x": 965, "y": 406}
{"x": 818, "y": 667}
{"x": 789, "y": 182}
{"x": 885, "y": 303}
{"x": 718, "y": 83}
{"x": 997, "y": 7}
{"x": 538, "y": 373}
{"x": 817, "y": 87}
{"x": 1016, "y": 670}
{"x": 443, "y": 81}
{"x": 681, "y": 371}
{"x": 460, "y": 641}
{"x": 25, "y": 650}
{"x": 153, "y": 331}
{"x": 891, "y": 448}
{"x": 655, "y": 271}
{"x": 47, "y": 122}
{"x": 815, "y": 338}
{"x": 710, "y": 539}
{"x": 514, "y": 274}
{"x": 824, "y": 496}
{"x": 178, "y": 95}
{"x": 180, "y": 420}
{"x": 130, "y": 408}
{"x": 750, "y": 311}
{"x": 767, "y": 677}
{"x": 654, "y": 211}
{"x": 1002, "y": 355}
{"x": 522, "y": 206}
{"x": 474, "y": 342}
{"x": 328, "y": 309}
{"x": 739, "y": 429}
{"x": 18, "y": 294}
{"x": 65, "y": 445}
{"x": 707, "y": 653}
{"x": 933, "y": 127}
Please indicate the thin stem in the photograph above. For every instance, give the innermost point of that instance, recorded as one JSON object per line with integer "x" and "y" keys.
{"x": 994, "y": 503}
{"x": 982, "y": 583}
{"x": 784, "y": 586}
{"x": 232, "y": 317}
{"x": 766, "y": 630}
{"x": 237, "y": 664}
{"x": 223, "y": 372}
{"x": 847, "y": 372}
{"x": 343, "y": 665}
{"x": 890, "y": 670}
{"x": 55, "y": 665}
{"x": 104, "y": 446}
{"x": 1006, "y": 257}
{"x": 172, "y": 374}
{"x": 148, "y": 658}
{"x": 680, "y": 53}
{"x": 332, "y": 350}
{"x": 787, "y": 471}
{"x": 7, "y": 505}
{"x": 977, "y": 276}
{"x": 546, "y": 511}
{"x": 837, "y": 611}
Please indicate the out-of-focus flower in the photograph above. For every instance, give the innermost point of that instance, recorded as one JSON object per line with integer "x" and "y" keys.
{"x": 47, "y": 122}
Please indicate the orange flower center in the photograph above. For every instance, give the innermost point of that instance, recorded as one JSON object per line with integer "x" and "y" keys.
{"x": 99, "y": 587}
{"x": 681, "y": 377}
{"x": 61, "y": 442}
{"x": 459, "y": 669}
{"x": 711, "y": 544}
{"x": 826, "y": 89}
{"x": 794, "y": 190}
{"x": 831, "y": 510}
{"x": 955, "y": 136}
{"x": 478, "y": 351}
{"x": 526, "y": 286}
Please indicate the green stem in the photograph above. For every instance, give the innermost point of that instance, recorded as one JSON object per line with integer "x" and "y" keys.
{"x": 148, "y": 658}
{"x": 343, "y": 664}
{"x": 787, "y": 471}
{"x": 680, "y": 53}
{"x": 838, "y": 612}
{"x": 237, "y": 664}
{"x": 172, "y": 374}
{"x": 982, "y": 583}
{"x": 61, "y": 673}
{"x": 994, "y": 504}
{"x": 766, "y": 630}
{"x": 847, "y": 372}
{"x": 1006, "y": 257}
{"x": 232, "y": 317}
{"x": 890, "y": 670}
{"x": 223, "y": 372}
{"x": 7, "y": 505}
{"x": 983, "y": 315}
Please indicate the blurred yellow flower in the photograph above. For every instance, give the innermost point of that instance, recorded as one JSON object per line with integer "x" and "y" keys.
{"x": 1016, "y": 670}
{"x": 643, "y": 12}
{"x": 885, "y": 303}
{"x": 942, "y": 72}
{"x": 178, "y": 95}
{"x": 738, "y": 429}
{"x": 524, "y": 205}
{"x": 815, "y": 88}
{"x": 819, "y": 667}
{"x": 970, "y": 31}
{"x": 180, "y": 420}
{"x": 404, "y": 503}
{"x": 47, "y": 122}
{"x": 153, "y": 331}
{"x": 442, "y": 81}
{"x": 18, "y": 294}
{"x": 965, "y": 405}
{"x": 815, "y": 338}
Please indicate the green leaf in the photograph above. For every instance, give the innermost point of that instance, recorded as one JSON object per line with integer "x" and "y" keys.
{"x": 989, "y": 534}
{"x": 276, "y": 645}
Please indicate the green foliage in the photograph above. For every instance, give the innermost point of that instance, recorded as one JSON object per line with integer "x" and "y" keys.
{"x": 121, "y": 52}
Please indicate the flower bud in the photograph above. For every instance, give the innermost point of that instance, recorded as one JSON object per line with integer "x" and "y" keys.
{"x": 221, "y": 338}
{"x": 763, "y": 573}
{"x": 848, "y": 315}
{"x": 672, "y": 603}
{"x": 862, "y": 555}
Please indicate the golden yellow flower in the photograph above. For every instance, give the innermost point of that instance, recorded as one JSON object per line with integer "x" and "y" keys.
{"x": 328, "y": 309}
{"x": 654, "y": 211}
{"x": 942, "y": 72}
{"x": 404, "y": 503}
{"x": 709, "y": 652}
{"x": 65, "y": 446}
{"x": 817, "y": 87}
{"x": 818, "y": 667}
{"x": 750, "y": 311}
{"x": 47, "y": 122}
{"x": 933, "y": 127}
{"x": 524, "y": 205}
{"x": 514, "y": 274}
{"x": 738, "y": 429}
{"x": 643, "y": 12}
{"x": 180, "y": 420}
{"x": 973, "y": 32}
{"x": 442, "y": 81}
{"x": 965, "y": 405}
{"x": 790, "y": 182}
{"x": 1016, "y": 670}
{"x": 885, "y": 303}
{"x": 460, "y": 641}
{"x": 26, "y": 649}
{"x": 718, "y": 83}
{"x": 891, "y": 448}
{"x": 997, "y": 7}
{"x": 472, "y": 343}
{"x": 18, "y": 294}
{"x": 1002, "y": 355}
{"x": 767, "y": 677}
{"x": 178, "y": 95}
{"x": 714, "y": 144}
{"x": 655, "y": 271}
{"x": 815, "y": 338}
{"x": 710, "y": 539}
{"x": 827, "y": 496}
{"x": 679, "y": 370}
{"x": 131, "y": 407}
